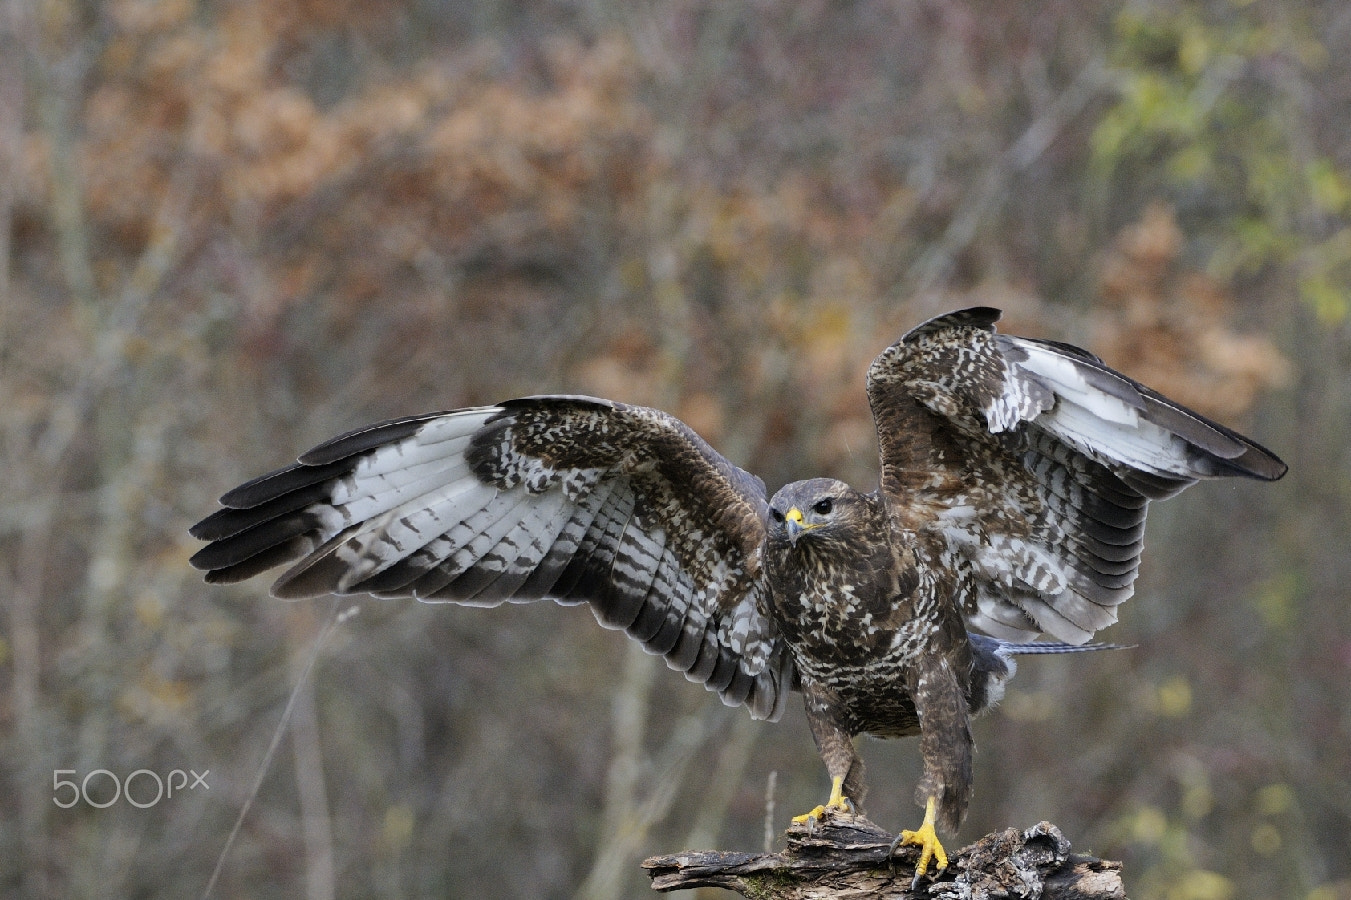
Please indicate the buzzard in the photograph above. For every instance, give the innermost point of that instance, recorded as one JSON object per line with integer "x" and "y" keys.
{"x": 1015, "y": 476}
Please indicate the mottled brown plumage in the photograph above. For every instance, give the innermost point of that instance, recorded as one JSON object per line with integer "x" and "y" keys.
{"x": 1015, "y": 475}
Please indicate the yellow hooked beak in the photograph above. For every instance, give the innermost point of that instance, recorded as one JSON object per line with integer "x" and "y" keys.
{"x": 795, "y": 524}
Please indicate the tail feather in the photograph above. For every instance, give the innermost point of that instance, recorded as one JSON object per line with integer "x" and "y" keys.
{"x": 992, "y": 664}
{"x": 1034, "y": 648}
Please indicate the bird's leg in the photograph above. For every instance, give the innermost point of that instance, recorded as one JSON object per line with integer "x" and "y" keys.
{"x": 836, "y": 747}
{"x": 945, "y": 745}
{"x": 926, "y": 838}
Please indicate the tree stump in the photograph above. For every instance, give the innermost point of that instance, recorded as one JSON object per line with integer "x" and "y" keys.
{"x": 845, "y": 856}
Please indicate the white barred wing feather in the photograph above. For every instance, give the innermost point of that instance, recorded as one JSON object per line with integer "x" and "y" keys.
{"x": 569, "y": 498}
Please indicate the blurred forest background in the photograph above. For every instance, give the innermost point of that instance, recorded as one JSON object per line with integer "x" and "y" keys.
{"x": 233, "y": 228}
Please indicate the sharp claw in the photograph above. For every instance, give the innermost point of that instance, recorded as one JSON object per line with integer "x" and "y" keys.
{"x": 891, "y": 858}
{"x": 926, "y": 838}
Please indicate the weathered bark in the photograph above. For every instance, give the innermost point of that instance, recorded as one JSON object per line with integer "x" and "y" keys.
{"x": 846, "y": 857}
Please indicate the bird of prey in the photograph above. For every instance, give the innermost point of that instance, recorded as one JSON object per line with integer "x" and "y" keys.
{"x": 1015, "y": 476}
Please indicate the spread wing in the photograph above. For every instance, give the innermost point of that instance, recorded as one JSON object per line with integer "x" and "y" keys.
{"x": 569, "y": 498}
{"x": 1032, "y": 463}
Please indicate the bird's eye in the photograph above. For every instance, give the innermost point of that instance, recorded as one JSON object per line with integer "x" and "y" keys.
{"x": 823, "y": 507}
{"x": 775, "y": 515}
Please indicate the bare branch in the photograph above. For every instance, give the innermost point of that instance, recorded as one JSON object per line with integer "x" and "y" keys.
{"x": 934, "y": 267}
{"x": 847, "y": 856}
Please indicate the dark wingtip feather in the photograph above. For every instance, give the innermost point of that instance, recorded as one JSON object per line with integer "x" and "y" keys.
{"x": 319, "y": 573}
{"x": 359, "y": 440}
{"x": 230, "y": 551}
{"x": 1224, "y": 452}
{"x": 272, "y": 557}
{"x": 1259, "y": 462}
{"x": 213, "y": 527}
{"x": 1221, "y": 451}
{"x": 230, "y": 521}
{"x": 268, "y": 487}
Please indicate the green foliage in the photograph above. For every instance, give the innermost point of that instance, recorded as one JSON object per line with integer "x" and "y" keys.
{"x": 1207, "y": 96}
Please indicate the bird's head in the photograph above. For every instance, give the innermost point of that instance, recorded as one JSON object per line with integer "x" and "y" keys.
{"x": 818, "y": 509}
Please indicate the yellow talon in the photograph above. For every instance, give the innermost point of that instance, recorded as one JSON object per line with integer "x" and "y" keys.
{"x": 837, "y": 801}
{"x": 926, "y": 838}
{"x": 814, "y": 815}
